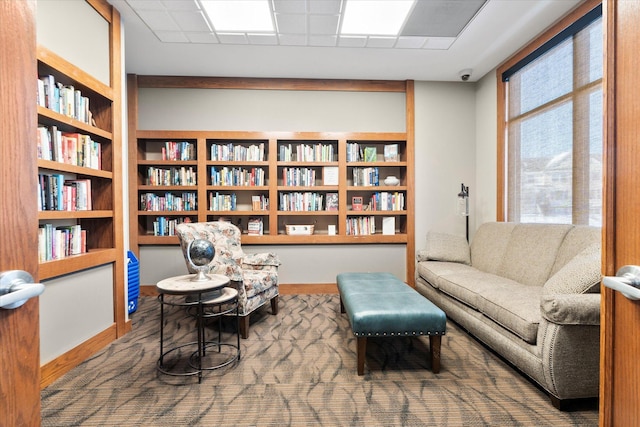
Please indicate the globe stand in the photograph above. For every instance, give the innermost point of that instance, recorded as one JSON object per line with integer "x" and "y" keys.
{"x": 200, "y": 253}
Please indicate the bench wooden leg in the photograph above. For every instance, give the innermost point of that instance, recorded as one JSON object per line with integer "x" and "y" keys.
{"x": 361, "y": 352}
{"x": 341, "y": 305}
{"x": 434, "y": 351}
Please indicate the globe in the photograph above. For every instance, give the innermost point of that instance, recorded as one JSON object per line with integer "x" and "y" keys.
{"x": 200, "y": 253}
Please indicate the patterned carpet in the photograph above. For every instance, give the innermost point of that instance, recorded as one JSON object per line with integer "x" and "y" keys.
{"x": 299, "y": 369}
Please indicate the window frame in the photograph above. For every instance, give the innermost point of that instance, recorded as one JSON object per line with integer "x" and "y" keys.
{"x": 502, "y": 95}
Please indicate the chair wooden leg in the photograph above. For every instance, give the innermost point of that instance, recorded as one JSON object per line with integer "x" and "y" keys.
{"x": 244, "y": 327}
{"x": 274, "y": 305}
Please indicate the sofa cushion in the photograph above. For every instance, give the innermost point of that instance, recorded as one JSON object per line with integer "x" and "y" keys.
{"x": 445, "y": 247}
{"x": 489, "y": 245}
{"x": 431, "y": 271}
{"x": 467, "y": 285}
{"x": 531, "y": 252}
{"x": 514, "y": 306}
{"x": 580, "y": 275}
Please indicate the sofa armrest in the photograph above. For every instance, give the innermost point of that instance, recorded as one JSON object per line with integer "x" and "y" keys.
{"x": 445, "y": 247}
{"x": 571, "y": 309}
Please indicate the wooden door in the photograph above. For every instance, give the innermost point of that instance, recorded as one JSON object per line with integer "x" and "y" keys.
{"x": 620, "y": 340}
{"x": 19, "y": 328}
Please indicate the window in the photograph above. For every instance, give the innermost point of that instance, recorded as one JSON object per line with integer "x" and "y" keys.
{"x": 553, "y": 128}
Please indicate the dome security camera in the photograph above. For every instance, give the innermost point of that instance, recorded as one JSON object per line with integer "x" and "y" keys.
{"x": 465, "y": 74}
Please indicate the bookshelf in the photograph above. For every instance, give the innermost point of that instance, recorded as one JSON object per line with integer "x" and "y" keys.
{"x": 80, "y": 205}
{"x": 286, "y": 182}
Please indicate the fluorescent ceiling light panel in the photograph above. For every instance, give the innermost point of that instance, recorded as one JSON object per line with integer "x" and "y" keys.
{"x": 239, "y": 16}
{"x": 376, "y": 17}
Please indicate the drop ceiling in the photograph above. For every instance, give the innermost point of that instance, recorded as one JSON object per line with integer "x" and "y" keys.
{"x": 439, "y": 38}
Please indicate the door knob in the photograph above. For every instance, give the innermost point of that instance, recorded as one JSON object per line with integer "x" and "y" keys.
{"x": 16, "y": 287}
{"x": 626, "y": 281}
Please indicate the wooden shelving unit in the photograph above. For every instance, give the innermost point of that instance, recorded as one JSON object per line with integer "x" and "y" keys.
{"x": 274, "y": 187}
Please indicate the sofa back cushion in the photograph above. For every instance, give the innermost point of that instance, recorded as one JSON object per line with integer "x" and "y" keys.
{"x": 576, "y": 240}
{"x": 531, "y": 252}
{"x": 489, "y": 245}
{"x": 582, "y": 274}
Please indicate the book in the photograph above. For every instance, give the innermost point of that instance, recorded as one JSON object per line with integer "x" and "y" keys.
{"x": 255, "y": 226}
{"x": 356, "y": 203}
{"x": 332, "y": 202}
{"x": 330, "y": 175}
{"x": 391, "y": 153}
{"x": 370, "y": 154}
{"x": 388, "y": 225}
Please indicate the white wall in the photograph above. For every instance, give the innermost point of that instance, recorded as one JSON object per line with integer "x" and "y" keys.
{"x": 445, "y": 155}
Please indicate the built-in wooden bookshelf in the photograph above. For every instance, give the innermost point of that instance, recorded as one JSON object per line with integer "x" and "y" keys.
{"x": 89, "y": 167}
{"x": 286, "y": 183}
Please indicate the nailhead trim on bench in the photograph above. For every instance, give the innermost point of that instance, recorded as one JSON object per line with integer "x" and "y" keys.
{"x": 405, "y": 334}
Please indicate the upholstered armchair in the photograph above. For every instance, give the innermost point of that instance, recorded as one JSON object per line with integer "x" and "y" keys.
{"x": 255, "y": 276}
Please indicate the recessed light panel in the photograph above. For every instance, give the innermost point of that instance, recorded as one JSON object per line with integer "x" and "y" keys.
{"x": 375, "y": 17}
{"x": 239, "y": 16}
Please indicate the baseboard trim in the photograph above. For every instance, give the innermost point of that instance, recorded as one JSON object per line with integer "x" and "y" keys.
{"x": 62, "y": 364}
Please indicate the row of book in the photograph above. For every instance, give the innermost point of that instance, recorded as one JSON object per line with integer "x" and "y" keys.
{"x": 171, "y": 176}
{"x": 178, "y": 151}
{"x": 305, "y": 177}
{"x": 70, "y": 148}
{"x": 55, "y": 193}
{"x": 237, "y": 153}
{"x": 358, "y": 153}
{"x": 361, "y": 226}
{"x": 222, "y": 202}
{"x": 63, "y": 99}
{"x": 384, "y": 201}
{"x": 366, "y": 177}
{"x": 259, "y": 202}
{"x": 301, "y": 202}
{"x": 163, "y": 226}
{"x": 168, "y": 202}
{"x": 307, "y": 153}
{"x": 60, "y": 242}
{"x": 237, "y": 176}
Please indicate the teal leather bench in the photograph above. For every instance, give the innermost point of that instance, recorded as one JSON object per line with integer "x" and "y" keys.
{"x": 381, "y": 305}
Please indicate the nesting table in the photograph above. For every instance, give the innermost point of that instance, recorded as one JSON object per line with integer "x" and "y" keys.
{"x": 204, "y": 300}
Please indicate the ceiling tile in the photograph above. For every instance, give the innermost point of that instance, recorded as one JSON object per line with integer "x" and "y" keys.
{"x": 352, "y": 41}
{"x": 293, "y": 39}
{"x": 325, "y": 6}
{"x": 410, "y": 42}
{"x": 191, "y": 21}
{"x": 439, "y": 43}
{"x": 262, "y": 39}
{"x": 315, "y": 40}
{"x": 202, "y": 37}
{"x": 158, "y": 20}
{"x": 181, "y": 5}
{"x": 290, "y": 6}
{"x": 381, "y": 41}
{"x": 172, "y": 37}
{"x": 232, "y": 38}
{"x": 146, "y": 5}
{"x": 440, "y": 18}
{"x": 323, "y": 24}
{"x": 291, "y": 24}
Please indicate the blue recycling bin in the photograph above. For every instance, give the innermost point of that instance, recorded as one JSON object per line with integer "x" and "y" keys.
{"x": 133, "y": 280}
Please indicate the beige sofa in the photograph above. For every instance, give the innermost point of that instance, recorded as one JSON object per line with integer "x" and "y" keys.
{"x": 531, "y": 292}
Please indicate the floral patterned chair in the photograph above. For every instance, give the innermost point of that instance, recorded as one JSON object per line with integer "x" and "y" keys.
{"x": 255, "y": 276}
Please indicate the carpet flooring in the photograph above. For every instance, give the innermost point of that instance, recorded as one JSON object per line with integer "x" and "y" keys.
{"x": 299, "y": 369}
